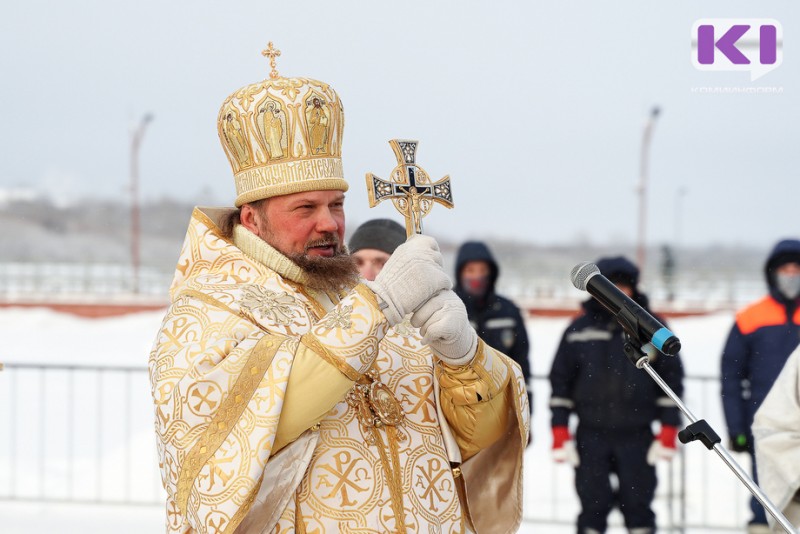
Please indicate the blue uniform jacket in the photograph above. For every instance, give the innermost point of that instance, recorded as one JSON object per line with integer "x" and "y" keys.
{"x": 763, "y": 336}
{"x": 592, "y": 377}
{"x": 497, "y": 320}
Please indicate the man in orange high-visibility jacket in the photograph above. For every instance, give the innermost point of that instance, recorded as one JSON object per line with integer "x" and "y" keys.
{"x": 762, "y": 338}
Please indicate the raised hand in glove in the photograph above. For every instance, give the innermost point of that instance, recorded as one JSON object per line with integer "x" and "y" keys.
{"x": 445, "y": 328}
{"x": 664, "y": 447}
{"x": 740, "y": 443}
{"x": 564, "y": 449}
{"x": 411, "y": 276}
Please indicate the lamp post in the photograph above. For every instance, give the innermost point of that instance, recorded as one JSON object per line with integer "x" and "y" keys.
{"x": 679, "y": 196}
{"x": 642, "y": 189}
{"x": 136, "y": 140}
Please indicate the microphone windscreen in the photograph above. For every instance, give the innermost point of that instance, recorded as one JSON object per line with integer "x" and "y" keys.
{"x": 581, "y": 274}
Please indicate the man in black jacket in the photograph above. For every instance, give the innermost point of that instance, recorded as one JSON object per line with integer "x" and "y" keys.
{"x": 616, "y": 404}
{"x": 496, "y": 319}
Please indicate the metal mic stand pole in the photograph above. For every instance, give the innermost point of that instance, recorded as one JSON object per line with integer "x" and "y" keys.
{"x": 699, "y": 429}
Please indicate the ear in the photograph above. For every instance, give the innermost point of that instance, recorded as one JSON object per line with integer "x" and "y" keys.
{"x": 248, "y": 218}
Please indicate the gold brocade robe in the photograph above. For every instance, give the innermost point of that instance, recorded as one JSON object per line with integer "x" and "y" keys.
{"x": 250, "y": 375}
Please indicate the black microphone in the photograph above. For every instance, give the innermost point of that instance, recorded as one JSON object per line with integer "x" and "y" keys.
{"x": 633, "y": 318}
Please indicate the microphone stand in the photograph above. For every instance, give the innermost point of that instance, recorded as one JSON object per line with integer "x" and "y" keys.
{"x": 699, "y": 429}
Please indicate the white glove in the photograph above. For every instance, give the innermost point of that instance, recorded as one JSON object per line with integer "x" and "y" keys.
{"x": 567, "y": 453}
{"x": 411, "y": 276}
{"x": 445, "y": 328}
{"x": 657, "y": 452}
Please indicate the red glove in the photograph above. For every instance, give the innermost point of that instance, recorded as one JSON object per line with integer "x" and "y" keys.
{"x": 668, "y": 436}
{"x": 564, "y": 447}
{"x": 664, "y": 446}
{"x": 560, "y": 436}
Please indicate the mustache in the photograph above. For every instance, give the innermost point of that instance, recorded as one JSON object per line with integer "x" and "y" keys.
{"x": 328, "y": 274}
{"x": 328, "y": 239}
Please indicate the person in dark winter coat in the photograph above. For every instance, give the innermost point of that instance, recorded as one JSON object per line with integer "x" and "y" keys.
{"x": 616, "y": 405}
{"x": 497, "y": 320}
{"x": 763, "y": 336}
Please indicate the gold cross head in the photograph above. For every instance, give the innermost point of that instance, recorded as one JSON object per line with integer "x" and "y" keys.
{"x": 409, "y": 187}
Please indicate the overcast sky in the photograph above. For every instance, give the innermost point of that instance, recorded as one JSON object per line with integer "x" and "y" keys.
{"x": 535, "y": 109}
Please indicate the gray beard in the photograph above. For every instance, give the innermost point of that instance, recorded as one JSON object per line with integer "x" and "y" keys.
{"x": 328, "y": 274}
{"x": 324, "y": 274}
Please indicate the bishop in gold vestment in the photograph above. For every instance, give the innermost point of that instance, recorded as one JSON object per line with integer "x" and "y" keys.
{"x": 281, "y": 407}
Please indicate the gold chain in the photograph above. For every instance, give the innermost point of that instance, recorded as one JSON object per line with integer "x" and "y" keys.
{"x": 376, "y": 407}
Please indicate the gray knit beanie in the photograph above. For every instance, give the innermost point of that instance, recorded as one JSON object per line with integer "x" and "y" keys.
{"x": 380, "y": 234}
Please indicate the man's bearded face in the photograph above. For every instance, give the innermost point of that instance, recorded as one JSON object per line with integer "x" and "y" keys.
{"x": 308, "y": 228}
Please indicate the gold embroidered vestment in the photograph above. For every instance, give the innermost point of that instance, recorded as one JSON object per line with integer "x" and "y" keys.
{"x": 255, "y": 381}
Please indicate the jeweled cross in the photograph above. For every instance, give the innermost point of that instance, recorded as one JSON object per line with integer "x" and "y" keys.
{"x": 409, "y": 187}
{"x": 271, "y": 52}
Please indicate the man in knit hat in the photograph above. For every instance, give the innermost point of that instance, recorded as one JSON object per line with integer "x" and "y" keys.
{"x": 288, "y": 396}
{"x": 373, "y": 243}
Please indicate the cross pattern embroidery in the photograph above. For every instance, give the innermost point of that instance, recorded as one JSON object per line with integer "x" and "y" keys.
{"x": 428, "y": 479}
{"x": 344, "y": 466}
{"x": 422, "y": 393}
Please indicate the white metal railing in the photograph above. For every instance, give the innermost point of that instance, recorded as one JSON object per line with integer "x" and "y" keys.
{"x": 695, "y": 491}
{"x": 84, "y": 434}
{"x": 39, "y": 281}
{"x": 48, "y": 281}
{"x": 76, "y": 433}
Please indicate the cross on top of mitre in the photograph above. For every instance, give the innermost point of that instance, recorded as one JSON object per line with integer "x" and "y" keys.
{"x": 271, "y": 52}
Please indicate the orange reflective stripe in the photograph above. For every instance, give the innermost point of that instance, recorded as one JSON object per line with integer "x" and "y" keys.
{"x": 765, "y": 312}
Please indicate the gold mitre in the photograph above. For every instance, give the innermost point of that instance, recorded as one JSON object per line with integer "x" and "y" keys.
{"x": 282, "y": 136}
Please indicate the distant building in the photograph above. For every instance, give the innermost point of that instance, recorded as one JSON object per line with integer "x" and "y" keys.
{"x": 9, "y": 195}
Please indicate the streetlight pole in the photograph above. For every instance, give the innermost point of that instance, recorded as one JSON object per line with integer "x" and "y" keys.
{"x": 136, "y": 140}
{"x": 679, "y": 215}
{"x": 642, "y": 189}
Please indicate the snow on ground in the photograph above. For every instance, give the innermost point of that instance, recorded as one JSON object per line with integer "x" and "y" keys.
{"x": 90, "y": 436}
{"x": 40, "y": 335}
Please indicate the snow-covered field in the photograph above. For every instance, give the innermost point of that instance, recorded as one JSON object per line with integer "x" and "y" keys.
{"x": 89, "y": 437}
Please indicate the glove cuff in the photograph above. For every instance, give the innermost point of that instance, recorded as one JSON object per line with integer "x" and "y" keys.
{"x": 391, "y": 313}
{"x": 460, "y": 361}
